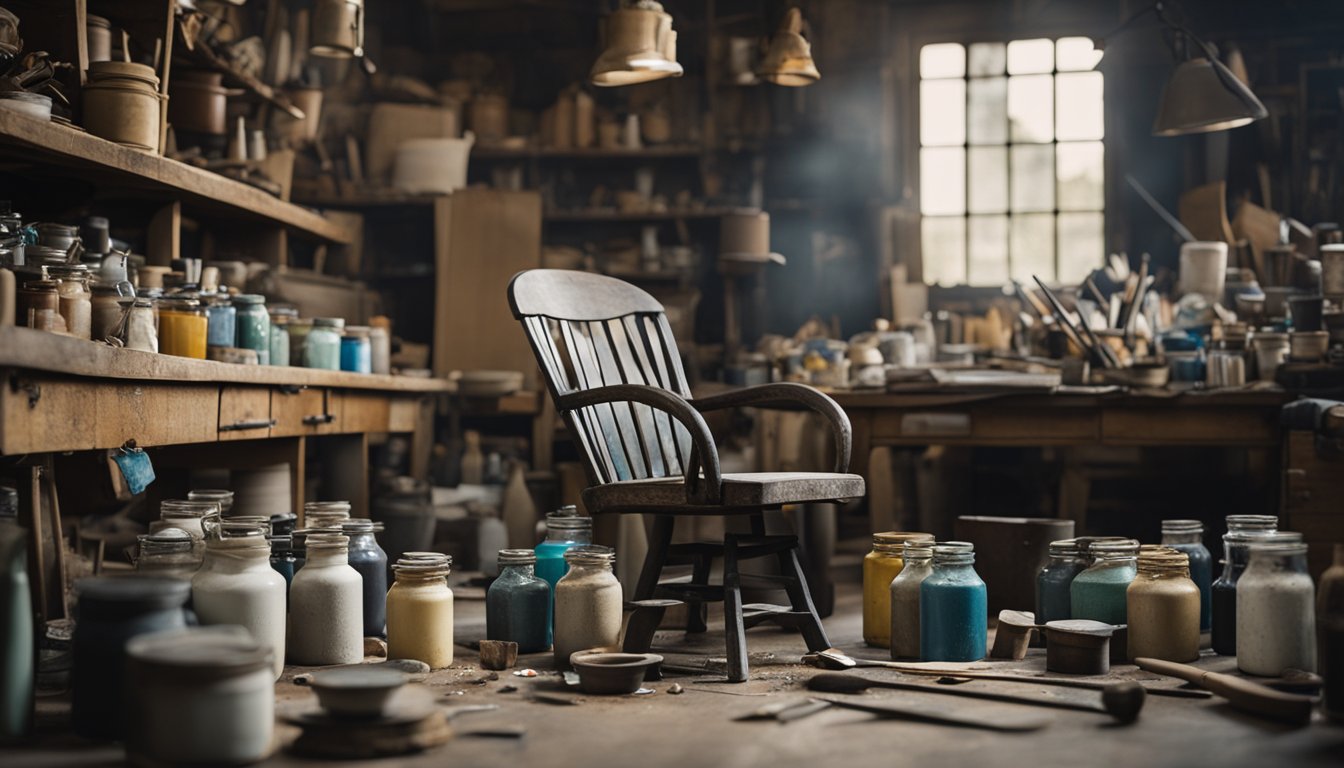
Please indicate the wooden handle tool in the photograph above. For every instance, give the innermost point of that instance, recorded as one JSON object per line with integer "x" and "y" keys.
{"x": 999, "y": 723}
{"x": 1246, "y": 695}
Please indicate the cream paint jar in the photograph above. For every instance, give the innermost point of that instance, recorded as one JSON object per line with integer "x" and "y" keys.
{"x": 420, "y": 610}
{"x": 237, "y": 585}
{"x": 326, "y": 609}
{"x": 588, "y": 606}
{"x": 200, "y": 696}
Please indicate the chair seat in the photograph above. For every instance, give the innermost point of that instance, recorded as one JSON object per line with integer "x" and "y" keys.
{"x": 741, "y": 492}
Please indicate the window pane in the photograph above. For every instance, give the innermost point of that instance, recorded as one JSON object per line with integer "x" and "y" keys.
{"x": 1080, "y": 169}
{"x": 944, "y": 249}
{"x": 1079, "y": 110}
{"x": 1033, "y": 177}
{"x": 942, "y": 180}
{"x": 942, "y": 60}
{"x": 1031, "y": 108}
{"x": 988, "y": 119}
{"x": 989, "y": 250}
{"x": 987, "y": 59}
{"x": 988, "y": 179}
{"x": 1032, "y": 246}
{"x": 1074, "y": 54}
{"x": 1082, "y": 245}
{"x": 1027, "y": 57}
{"x": 942, "y": 112}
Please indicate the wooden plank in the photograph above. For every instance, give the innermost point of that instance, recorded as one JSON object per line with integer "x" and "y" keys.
{"x": 244, "y": 413}
{"x": 58, "y": 149}
{"x": 1179, "y": 426}
{"x": 364, "y": 412}
{"x": 307, "y": 411}
{"x": 44, "y": 415}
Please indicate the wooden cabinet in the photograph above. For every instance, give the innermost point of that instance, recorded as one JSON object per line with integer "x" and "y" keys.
{"x": 1313, "y": 486}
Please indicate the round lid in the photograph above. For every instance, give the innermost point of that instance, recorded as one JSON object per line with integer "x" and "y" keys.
{"x": 96, "y": 21}
{"x": 357, "y": 331}
{"x": 249, "y": 298}
{"x": 101, "y": 70}
{"x": 124, "y": 596}
{"x": 517, "y": 557}
{"x": 218, "y": 650}
{"x": 900, "y": 537}
{"x": 179, "y": 303}
{"x": 329, "y": 322}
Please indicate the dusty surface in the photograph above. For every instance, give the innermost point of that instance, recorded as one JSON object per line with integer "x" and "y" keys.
{"x": 697, "y": 727}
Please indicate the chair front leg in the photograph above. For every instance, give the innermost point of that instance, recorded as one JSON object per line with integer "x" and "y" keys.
{"x": 734, "y": 631}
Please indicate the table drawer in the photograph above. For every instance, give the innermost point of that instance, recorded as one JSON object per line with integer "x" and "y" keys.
{"x": 304, "y": 411}
{"x": 40, "y": 415}
{"x": 362, "y": 412}
{"x": 244, "y": 413}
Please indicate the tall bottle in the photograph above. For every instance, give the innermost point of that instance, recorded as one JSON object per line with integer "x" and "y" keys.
{"x": 565, "y": 529}
{"x": 1330, "y": 643}
{"x": 326, "y": 616}
{"x": 236, "y": 585}
{"x": 370, "y": 561}
{"x": 16, "y": 622}
{"x": 519, "y": 511}
{"x": 1055, "y": 579}
{"x": 1188, "y": 536}
{"x": 953, "y": 606}
{"x": 420, "y": 610}
{"x": 917, "y": 557}
{"x": 880, "y": 566}
{"x": 1241, "y": 531}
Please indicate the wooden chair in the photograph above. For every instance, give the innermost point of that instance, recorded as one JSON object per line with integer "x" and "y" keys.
{"x": 612, "y": 367}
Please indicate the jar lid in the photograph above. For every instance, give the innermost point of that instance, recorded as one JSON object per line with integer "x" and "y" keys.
{"x": 517, "y": 557}
{"x": 112, "y": 597}
{"x": 360, "y": 525}
{"x": 1121, "y": 548}
{"x": 1252, "y": 522}
{"x": 567, "y": 518}
{"x": 900, "y": 537}
{"x": 590, "y": 554}
{"x": 357, "y": 331}
{"x": 1182, "y": 526}
{"x": 225, "y": 650}
{"x": 329, "y": 322}
{"x": 179, "y": 303}
{"x": 327, "y": 506}
{"x": 105, "y": 70}
{"x": 1163, "y": 557}
{"x": 187, "y": 508}
{"x": 1062, "y": 547}
{"x": 249, "y": 299}
{"x": 1272, "y": 545}
{"x": 219, "y": 495}
{"x": 96, "y": 21}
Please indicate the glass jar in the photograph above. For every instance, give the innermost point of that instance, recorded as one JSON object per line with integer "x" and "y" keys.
{"x": 380, "y": 350}
{"x": 111, "y": 612}
{"x": 1163, "y": 608}
{"x": 168, "y": 553}
{"x": 1085, "y": 545}
{"x": 283, "y": 560}
{"x": 1241, "y": 531}
{"x": 1055, "y": 580}
{"x": 588, "y": 606}
{"x": 420, "y": 610}
{"x": 1330, "y": 624}
{"x": 1276, "y": 602}
{"x": 1188, "y": 536}
{"x": 1098, "y": 593}
{"x": 253, "y": 325}
{"x": 325, "y": 514}
{"x": 188, "y": 515}
{"x": 518, "y": 603}
{"x": 322, "y": 347}
{"x": 356, "y": 352}
{"x": 38, "y": 305}
{"x": 880, "y": 566}
{"x": 953, "y": 608}
{"x": 223, "y": 322}
{"x": 917, "y": 564}
{"x": 182, "y": 327}
{"x": 236, "y": 585}
{"x": 142, "y": 326}
{"x": 75, "y": 299}
{"x": 371, "y": 561}
{"x": 565, "y": 529}
{"x": 298, "y": 339}
{"x": 279, "y": 335}
{"x": 108, "y": 307}
{"x": 326, "y": 624}
{"x": 221, "y": 496}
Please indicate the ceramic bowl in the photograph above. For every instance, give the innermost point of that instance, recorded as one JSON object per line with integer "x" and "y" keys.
{"x": 612, "y": 674}
{"x": 489, "y": 383}
{"x": 1308, "y": 345}
{"x": 356, "y": 692}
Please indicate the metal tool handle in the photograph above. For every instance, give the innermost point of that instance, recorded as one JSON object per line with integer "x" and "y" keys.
{"x": 240, "y": 426}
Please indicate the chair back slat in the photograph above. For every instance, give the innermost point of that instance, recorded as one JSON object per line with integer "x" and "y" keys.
{"x": 589, "y": 331}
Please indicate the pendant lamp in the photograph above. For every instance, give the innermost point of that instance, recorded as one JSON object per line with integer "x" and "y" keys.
{"x": 640, "y": 46}
{"x": 337, "y": 29}
{"x": 788, "y": 57}
{"x": 1203, "y": 95}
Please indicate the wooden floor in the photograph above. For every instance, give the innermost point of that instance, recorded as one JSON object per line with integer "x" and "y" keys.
{"x": 697, "y": 727}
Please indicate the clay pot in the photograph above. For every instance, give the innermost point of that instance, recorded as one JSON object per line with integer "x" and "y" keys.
{"x": 122, "y": 103}
{"x": 199, "y": 103}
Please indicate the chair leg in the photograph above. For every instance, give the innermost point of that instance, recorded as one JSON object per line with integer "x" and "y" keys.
{"x": 735, "y": 633}
{"x": 659, "y": 539}
{"x": 801, "y": 598}
{"x": 695, "y": 611}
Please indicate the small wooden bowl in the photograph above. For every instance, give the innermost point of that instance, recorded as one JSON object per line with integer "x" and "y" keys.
{"x": 358, "y": 692}
{"x": 612, "y": 674}
{"x": 1078, "y": 647}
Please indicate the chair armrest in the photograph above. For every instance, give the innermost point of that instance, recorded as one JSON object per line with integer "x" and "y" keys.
{"x": 789, "y": 394}
{"x": 704, "y": 453}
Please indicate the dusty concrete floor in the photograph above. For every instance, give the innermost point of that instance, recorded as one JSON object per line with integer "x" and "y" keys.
{"x": 697, "y": 727}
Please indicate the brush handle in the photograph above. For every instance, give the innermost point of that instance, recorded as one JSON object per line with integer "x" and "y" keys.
{"x": 1009, "y": 724}
{"x": 1243, "y": 694}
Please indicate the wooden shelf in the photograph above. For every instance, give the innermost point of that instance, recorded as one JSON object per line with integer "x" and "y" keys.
{"x": 28, "y": 142}
{"x": 606, "y": 215}
{"x": 590, "y": 153}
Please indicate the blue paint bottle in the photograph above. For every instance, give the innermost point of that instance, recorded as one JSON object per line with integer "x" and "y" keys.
{"x": 518, "y": 604}
{"x": 953, "y": 607}
{"x": 565, "y": 529}
{"x": 1188, "y": 536}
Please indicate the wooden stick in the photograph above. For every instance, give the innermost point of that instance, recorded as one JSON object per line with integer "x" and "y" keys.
{"x": 39, "y": 557}
{"x": 1241, "y": 693}
{"x": 58, "y": 538}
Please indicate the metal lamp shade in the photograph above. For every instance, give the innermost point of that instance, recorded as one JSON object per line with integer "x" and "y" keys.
{"x": 1203, "y": 95}
{"x": 337, "y": 29}
{"x": 640, "y": 47}
{"x": 788, "y": 59}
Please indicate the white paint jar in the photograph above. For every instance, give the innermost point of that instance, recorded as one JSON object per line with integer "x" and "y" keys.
{"x": 237, "y": 585}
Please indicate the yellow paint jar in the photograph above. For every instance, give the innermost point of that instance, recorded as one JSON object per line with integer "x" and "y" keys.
{"x": 880, "y": 566}
{"x": 182, "y": 327}
{"x": 420, "y": 612}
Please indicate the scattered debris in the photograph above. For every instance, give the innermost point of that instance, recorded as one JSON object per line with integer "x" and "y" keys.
{"x": 498, "y": 654}
{"x": 525, "y": 673}
{"x": 375, "y": 647}
{"x": 675, "y": 689}
{"x": 507, "y": 689}
{"x": 303, "y": 678}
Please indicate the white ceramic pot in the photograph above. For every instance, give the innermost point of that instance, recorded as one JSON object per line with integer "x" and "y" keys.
{"x": 432, "y": 166}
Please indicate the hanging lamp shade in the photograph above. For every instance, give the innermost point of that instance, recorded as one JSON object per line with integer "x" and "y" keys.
{"x": 788, "y": 57}
{"x": 1203, "y": 95}
{"x": 337, "y": 29}
{"x": 640, "y": 46}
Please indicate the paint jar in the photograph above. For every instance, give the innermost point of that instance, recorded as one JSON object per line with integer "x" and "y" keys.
{"x": 16, "y": 622}
{"x": 253, "y": 325}
{"x": 1188, "y": 536}
{"x": 565, "y": 529}
{"x": 322, "y": 347}
{"x": 112, "y": 611}
{"x": 223, "y": 322}
{"x": 279, "y": 335}
{"x": 38, "y": 306}
{"x": 370, "y": 561}
{"x": 326, "y": 623}
{"x": 588, "y": 603}
{"x": 917, "y": 558}
{"x": 298, "y": 330}
{"x": 325, "y": 514}
{"x": 167, "y": 553}
{"x": 283, "y": 561}
{"x": 953, "y": 613}
{"x": 1085, "y": 546}
{"x": 202, "y": 696}
{"x": 420, "y": 610}
{"x": 380, "y": 350}
{"x": 142, "y": 326}
{"x": 1330, "y": 644}
{"x": 182, "y": 327}
{"x": 75, "y": 299}
{"x": 518, "y": 603}
{"x": 1162, "y": 605}
{"x": 356, "y": 351}
{"x": 221, "y": 496}
{"x": 108, "y": 311}
{"x": 880, "y": 566}
{"x": 236, "y": 585}
{"x": 1055, "y": 579}
{"x": 1241, "y": 531}
{"x": 1271, "y": 350}
{"x": 1098, "y": 593}
{"x": 1276, "y": 616}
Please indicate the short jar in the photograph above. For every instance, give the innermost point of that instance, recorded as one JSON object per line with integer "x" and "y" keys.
{"x": 322, "y": 347}
{"x": 1098, "y": 593}
{"x": 1055, "y": 580}
{"x": 518, "y": 603}
{"x": 953, "y": 607}
{"x": 1162, "y": 605}
{"x": 588, "y": 605}
{"x": 420, "y": 610}
{"x": 223, "y": 322}
{"x": 1276, "y": 610}
{"x": 253, "y": 325}
{"x": 183, "y": 327}
{"x": 356, "y": 351}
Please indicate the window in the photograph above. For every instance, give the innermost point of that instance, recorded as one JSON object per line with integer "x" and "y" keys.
{"x": 1011, "y": 161}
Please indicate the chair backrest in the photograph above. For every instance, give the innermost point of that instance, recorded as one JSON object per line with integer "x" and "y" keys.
{"x": 591, "y": 331}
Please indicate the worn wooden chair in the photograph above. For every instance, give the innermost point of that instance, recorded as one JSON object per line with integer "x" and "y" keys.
{"x": 608, "y": 356}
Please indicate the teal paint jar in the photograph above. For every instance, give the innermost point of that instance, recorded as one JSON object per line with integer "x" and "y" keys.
{"x": 322, "y": 347}
{"x": 254, "y": 325}
{"x": 565, "y": 529}
{"x": 953, "y": 607}
{"x": 222, "y": 319}
{"x": 1098, "y": 593}
{"x": 518, "y": 603}
{"x": 356, "y": 350}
